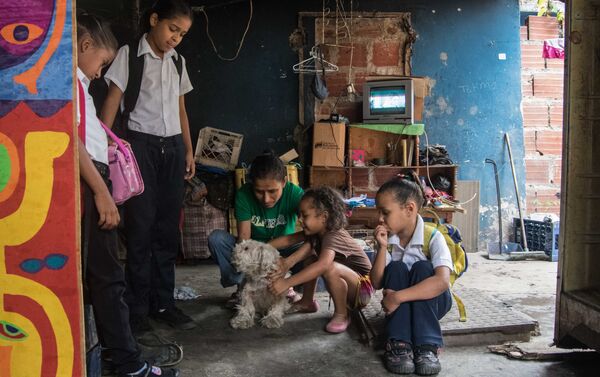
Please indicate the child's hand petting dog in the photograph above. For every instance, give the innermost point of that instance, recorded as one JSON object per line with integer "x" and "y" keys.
{"x": 281, "y": 270}
{"x": 278, "y": 287}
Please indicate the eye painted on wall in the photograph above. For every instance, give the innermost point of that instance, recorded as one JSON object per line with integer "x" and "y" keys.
{"x": 8, "y": 331}
{"x": 51, "y": 262}
{"x": 21, "y": 33}
{"x": 24, "y": 25}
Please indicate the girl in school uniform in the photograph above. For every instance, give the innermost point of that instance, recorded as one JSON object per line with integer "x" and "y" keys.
{"x": 415, "y": 288}
{"x": 158, "y": 131}
{"x": 104, "y": 280}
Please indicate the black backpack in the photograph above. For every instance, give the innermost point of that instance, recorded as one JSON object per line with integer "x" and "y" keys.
{"x": 134, "y": 84}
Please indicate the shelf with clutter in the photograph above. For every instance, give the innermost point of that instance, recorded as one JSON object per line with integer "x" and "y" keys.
{"x": 358, "y": 158}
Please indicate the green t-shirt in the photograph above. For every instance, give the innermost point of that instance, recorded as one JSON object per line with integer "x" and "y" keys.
{"x": 269, "y": 223}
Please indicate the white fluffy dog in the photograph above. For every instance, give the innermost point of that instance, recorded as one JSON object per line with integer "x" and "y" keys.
{"x": 256, "y": 260}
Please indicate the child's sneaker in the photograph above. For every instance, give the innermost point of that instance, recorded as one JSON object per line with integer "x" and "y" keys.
{"x": 152, "y": 371}
{"x": 398, "y": 357}
{"x": 426, "y": 360}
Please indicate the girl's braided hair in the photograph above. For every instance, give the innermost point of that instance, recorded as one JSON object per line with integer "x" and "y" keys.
{"x": 327, "y": 199}
{"x": 405, "y": 187}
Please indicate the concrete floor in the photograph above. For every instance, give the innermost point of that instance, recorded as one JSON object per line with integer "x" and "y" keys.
{"x": 302, "y": 348}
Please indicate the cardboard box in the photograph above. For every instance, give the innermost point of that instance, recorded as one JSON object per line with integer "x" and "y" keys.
{"x": 329, "y": 142}
{"x": 421, "y": 87}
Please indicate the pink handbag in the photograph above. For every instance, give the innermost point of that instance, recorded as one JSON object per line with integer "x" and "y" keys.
{"x": 124, "y": 171}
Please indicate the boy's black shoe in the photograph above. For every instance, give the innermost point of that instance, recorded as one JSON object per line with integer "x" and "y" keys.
{"x": 174, "y": 317}
{"x": 426, "y": 360}
{"x": 152, "y": 371}
{"x": 398, "y": 357}
{"x": 140, "y": 325}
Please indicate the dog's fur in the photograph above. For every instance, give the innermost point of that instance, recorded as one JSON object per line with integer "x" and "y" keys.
{"x": 256, "y": 260}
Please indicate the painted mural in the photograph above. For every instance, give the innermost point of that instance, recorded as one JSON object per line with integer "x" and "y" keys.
{"x": 40, "y": 305}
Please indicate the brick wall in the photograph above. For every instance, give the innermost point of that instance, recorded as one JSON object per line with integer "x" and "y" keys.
{"x": 542, "y": 89}
{"x": 379, "y": 49}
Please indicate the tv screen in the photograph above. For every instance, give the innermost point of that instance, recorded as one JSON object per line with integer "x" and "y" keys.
{"x": 388, "y": 100}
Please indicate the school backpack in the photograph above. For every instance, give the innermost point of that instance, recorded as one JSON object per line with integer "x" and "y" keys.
{"x": 459, "y": 256}
{"x": 132, "y": 90}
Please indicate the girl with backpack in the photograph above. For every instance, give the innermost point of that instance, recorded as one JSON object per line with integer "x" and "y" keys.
{"x": 103, "y": 275}
{"x": 339, "y": 260}
{"x": 159, "y": 134}
{"x": 416, "y": 291}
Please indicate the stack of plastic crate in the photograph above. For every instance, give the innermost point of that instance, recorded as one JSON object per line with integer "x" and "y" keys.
{"x": 218, "y": 148}
{"x": 541, "y": 236}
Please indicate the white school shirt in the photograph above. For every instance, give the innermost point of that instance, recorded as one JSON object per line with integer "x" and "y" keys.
{"x": 96, "y": 141}
{"x": 413, "y": 252}
{"x": 157, "y": 109}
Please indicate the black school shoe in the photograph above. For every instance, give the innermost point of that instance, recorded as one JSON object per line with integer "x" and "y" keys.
{"x": 426, "y": 360}
{"x": 174, "y": 317}
{"x": 152, "y": 371}
{"x": 398, "y": 357}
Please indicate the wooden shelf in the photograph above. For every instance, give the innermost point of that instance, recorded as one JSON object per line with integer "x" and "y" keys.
{"x": 367, "y": 180}
{"x": 369, "y": 216}
{"x": 355, "y": 180}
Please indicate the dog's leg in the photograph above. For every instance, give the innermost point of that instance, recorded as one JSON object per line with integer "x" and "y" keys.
{"x": 244, "y": 319}
{"x": 274, "y": 317}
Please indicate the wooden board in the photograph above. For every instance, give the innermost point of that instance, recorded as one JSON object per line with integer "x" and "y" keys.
{"x": 327, "y": 176}
{"x": 468, "y": 222}
{"x": 375, "y": 143}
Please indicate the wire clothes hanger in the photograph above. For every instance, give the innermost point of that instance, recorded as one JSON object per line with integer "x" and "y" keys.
{"x": 315, "y": 63}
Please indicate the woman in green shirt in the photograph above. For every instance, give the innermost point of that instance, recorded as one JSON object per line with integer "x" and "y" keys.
{"x": 266, "y": 210}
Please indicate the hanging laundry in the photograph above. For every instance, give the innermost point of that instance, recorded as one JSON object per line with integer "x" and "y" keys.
{"x": 554, "y": 48}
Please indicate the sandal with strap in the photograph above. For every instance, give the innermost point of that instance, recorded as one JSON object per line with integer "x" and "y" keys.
{"x": 313, "y": 307}
{"x": 292, "y": 296}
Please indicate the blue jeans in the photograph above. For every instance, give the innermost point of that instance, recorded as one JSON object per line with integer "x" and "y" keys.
{"x": 415, "y": 322}
{"x": 221, "y": 244}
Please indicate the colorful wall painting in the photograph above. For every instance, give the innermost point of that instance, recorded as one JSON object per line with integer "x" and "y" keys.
{"x": 40, "y": 291}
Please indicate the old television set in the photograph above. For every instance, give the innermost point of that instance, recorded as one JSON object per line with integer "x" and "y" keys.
{"x": 388, "y": 101}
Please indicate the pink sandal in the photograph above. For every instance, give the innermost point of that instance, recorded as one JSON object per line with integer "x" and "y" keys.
{"x": 292, "y": 296}
{"x": 313, "y": 307}
{"x": 336, "y": 326}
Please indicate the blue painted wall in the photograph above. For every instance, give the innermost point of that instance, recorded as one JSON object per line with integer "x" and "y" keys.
{"x": 477, "y": 96}
{"x": 475, "y": 100}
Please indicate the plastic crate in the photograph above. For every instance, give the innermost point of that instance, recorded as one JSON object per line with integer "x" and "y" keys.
{"x": 541, "y": 236}
{"x": 218, "y": 148}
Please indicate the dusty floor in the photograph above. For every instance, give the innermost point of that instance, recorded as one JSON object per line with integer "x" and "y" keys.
{"x": 302, "y": 348}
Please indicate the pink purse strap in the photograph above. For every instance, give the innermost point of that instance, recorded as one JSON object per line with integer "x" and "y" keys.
{"x": 116, "y": 139}
{"x": 82, "y": 119}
